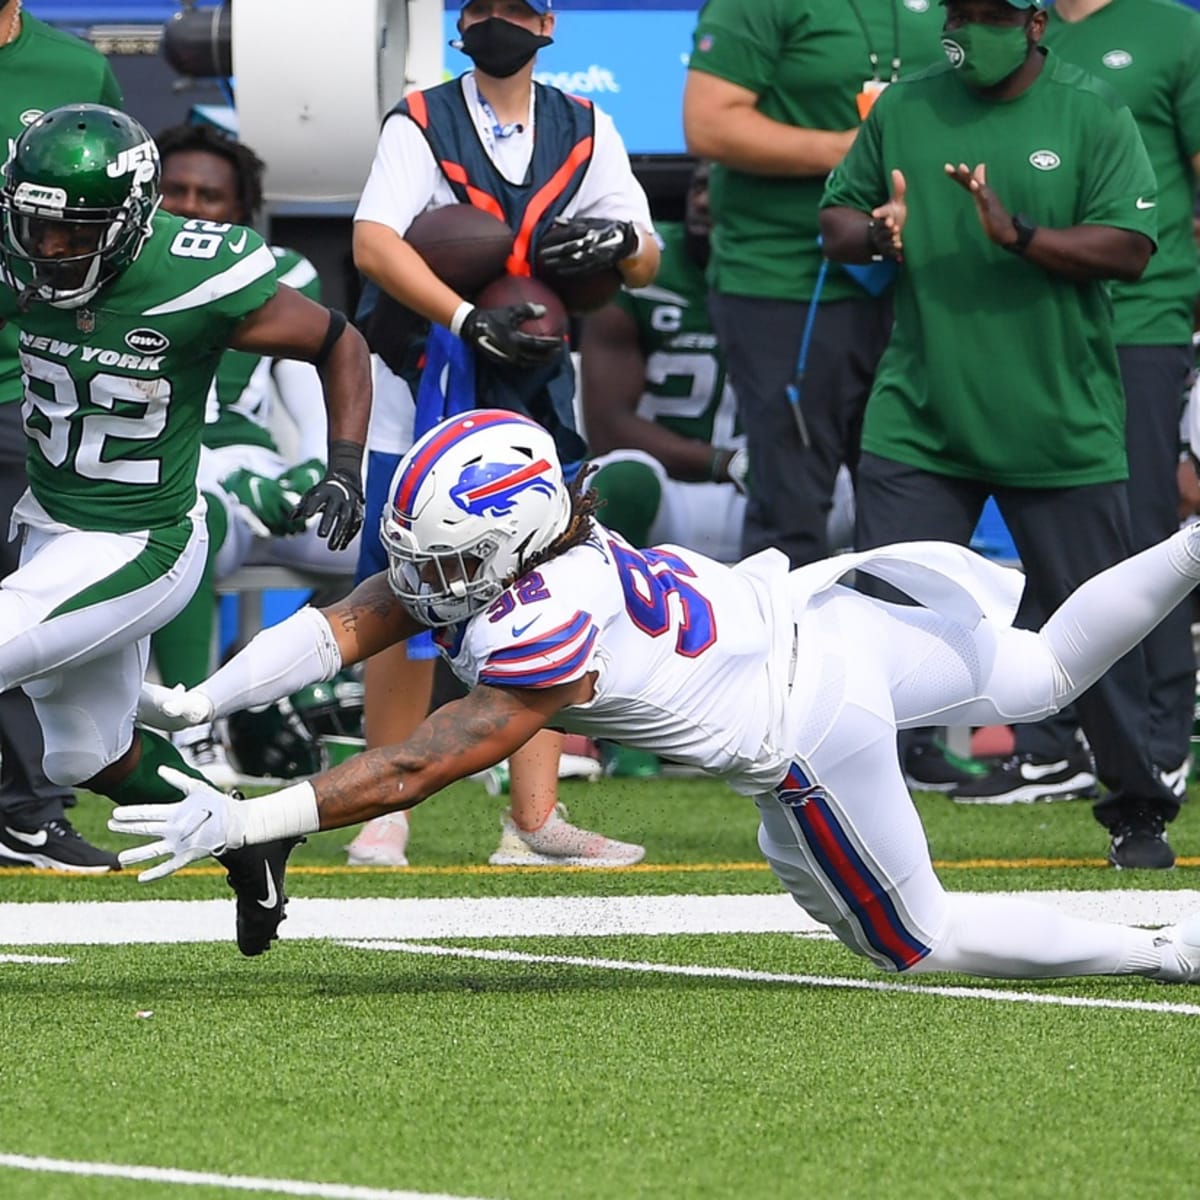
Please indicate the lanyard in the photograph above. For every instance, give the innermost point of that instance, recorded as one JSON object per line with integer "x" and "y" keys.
{"x": 866, "y": 29}
{"x": 499, "y": 132}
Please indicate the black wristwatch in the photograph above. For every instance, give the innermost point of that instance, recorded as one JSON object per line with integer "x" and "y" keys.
{"x": 876, "y": 251}
{"x": 1025, "y": 230}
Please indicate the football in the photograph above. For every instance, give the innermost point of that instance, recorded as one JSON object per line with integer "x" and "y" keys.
{"x": 520, "y": 289}
{"x": 582, "y": 293}
{"x": 464, "y": 246}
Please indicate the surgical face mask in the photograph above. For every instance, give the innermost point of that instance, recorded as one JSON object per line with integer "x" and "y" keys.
{"x": 498, "y": 47}
{"x": 984, "y": 55}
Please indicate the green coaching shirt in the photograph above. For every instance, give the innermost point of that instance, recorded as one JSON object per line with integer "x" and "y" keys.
{"x": 806, "y": 61}
{"x": 42, "y": 69}
{"x": 1149, "y": 51}
{"x": 998, "y": 370}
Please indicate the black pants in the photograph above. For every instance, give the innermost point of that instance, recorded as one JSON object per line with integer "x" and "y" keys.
{"x": 792, "y": 475}
{"x": 27, "y": 797}
{"x": 1063, "y": 536}
{"x": 1154, "y": 378}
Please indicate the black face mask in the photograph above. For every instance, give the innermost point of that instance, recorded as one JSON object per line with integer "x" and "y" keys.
{"x": 498, "y": 47}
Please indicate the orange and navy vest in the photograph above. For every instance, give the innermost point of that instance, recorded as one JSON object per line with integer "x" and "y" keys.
{"x": 563, "y": 142}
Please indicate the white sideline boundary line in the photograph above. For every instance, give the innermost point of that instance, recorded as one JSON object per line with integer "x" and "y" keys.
{"x": 241, "y": 1183}
{"x": 175, "y": 921}
{"x": 746, "y": 976}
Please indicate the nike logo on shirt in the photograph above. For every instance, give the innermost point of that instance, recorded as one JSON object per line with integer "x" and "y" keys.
{"x": 1140, "y": 203}
{"x": 240, "y": 245}
{"x": 517, "y": 630}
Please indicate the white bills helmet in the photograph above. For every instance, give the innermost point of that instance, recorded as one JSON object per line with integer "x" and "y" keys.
{"x": 470, "y": 504}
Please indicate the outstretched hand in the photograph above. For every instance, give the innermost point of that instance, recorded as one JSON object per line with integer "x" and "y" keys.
{"x": 173, "y": 708}
{"x": 203, "y": 823}
{"x": 993, "y": 216}
{"x": 892, "y": 217}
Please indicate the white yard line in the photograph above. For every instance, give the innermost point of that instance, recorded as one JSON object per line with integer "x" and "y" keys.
{"x": 166, "y": 921}
{"x": 43, "y": 959}
{"x": 240, "y": 1183}
{"x": 745, "y": 976}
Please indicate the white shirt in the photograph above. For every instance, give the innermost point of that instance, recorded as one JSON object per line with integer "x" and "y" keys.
{"x": 405, "y": 179}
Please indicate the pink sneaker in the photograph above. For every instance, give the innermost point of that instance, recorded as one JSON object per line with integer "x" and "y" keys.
{"x": 561, "y": 844}
{"x": 381, "y": 842}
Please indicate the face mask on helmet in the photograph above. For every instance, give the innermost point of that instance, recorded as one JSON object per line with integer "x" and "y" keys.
{"x": 283, "y": 740}
{"x": 80, "y": 191}
{"x": 471, "y": 503}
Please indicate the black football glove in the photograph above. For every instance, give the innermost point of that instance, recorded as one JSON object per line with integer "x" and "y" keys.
{"x": 337, "y": 497}
{"x": 583, "y": 245}
{"x": 495, "y": 334}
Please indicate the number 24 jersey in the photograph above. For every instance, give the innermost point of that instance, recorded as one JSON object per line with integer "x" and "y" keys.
{"x": 115, "y": 390}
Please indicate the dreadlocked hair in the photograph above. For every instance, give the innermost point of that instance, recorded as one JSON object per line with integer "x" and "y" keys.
{"x": 247, "y": 167}
{"x": 579, "y": 528}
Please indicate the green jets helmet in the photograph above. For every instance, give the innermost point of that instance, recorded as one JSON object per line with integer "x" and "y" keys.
{"x": 80, "y": 189}
{"x": 283, "y": 740}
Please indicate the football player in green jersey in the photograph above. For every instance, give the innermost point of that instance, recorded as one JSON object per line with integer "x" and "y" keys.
{"x": 41, "y": 68}
{"x": 122, "y": 313}
{"x": 249, "y": 488}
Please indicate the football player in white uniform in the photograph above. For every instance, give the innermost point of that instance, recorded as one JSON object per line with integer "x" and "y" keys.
{"x": 787, "y": 685}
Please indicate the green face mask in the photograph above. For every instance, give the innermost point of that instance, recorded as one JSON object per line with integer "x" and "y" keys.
{"x": 983, "y": 55}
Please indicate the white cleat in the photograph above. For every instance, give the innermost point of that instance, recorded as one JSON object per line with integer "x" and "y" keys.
{"x": 382, "y": 842}
{"x": 560, "y": 844}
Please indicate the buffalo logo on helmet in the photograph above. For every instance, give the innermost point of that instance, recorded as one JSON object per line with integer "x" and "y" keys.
{"x": 491, "y": 489}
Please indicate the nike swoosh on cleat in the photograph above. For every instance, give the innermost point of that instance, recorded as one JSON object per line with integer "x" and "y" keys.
{"x": 30, "y": 839}
{"x": 1036, "y": 771}
{"x": 272, "y": 895}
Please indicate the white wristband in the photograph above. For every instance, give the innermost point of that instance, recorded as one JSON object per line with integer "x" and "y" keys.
{"x": 461, "y": 313}
{"x": 285, "y": 814}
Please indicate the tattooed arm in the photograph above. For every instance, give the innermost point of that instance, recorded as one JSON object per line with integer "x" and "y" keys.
{"x": 310, "y": 645}
{"x": 453, "y": 742}
{"x": 457, "y": 740}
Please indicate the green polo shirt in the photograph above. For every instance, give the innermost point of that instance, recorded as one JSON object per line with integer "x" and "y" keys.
{"x": 805, "y": 60}
{"x": 1148, "y": 51}
{"x": 42, "y": 69}
{"x": 998, "y": 370}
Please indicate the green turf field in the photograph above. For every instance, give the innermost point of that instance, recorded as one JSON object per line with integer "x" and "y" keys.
{"x": 441, "y": 1041}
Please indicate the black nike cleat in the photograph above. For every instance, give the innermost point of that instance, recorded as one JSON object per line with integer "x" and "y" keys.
{"x": 256, "y": 875}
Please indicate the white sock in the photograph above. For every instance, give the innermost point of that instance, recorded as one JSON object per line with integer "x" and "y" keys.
{"x": 1004, "y": 937}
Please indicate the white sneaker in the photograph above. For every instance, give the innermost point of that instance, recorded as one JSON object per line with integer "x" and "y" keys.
{"x": 558, "y": 843}
{"x": 579, "y": 766}
{"x": 201, "y": 748}
{"x": 381, "y": 842}
{"x": 1184, "y": 940}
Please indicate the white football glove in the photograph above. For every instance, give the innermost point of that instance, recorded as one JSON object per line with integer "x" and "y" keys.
{"x": 173, "y": 708}
{"x": 738, "y": 469}
{"x": 203, "y": 823}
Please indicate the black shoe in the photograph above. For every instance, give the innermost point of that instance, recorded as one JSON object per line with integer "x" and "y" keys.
{"x": 256, "y": 875}
{"x": 1139, "y": 839}
{"x": 1022, "y": 779}
{"x": 55, "y": 846}
{"x": 934, "y": 767}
